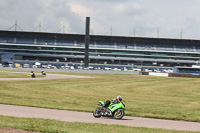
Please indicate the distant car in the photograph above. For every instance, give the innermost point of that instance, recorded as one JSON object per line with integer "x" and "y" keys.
{"x": 147, "y": 70}
{"x": 91, "y": 68}
{"x": 72, "y": 67}
{"x": 137, "y": 69}
{"x": 115, "y": 69}
{"x": 67, "y": 67}
{"x": 26, "y": 66}
{"x": 168, "y": 71}
{"x": 158, "y": 71}
{"x": 107, "y": 68}
{"x": 125, "y": 69}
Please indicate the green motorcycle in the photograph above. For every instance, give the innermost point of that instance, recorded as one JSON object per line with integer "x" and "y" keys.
{"x": 114, "y": 110}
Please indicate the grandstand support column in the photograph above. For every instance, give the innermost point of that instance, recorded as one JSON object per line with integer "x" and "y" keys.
{"x": 87, "y": 41}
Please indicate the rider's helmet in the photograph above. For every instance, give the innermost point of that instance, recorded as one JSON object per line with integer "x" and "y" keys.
{"x": 119, "y": 98}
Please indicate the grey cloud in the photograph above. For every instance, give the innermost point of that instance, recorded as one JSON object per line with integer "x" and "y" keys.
{"x": 29, "y": 13}
{"x": 20, "y": 10}
{"x": 56, "y": 12}
{"x": 192, "y": 27}
{"x": 123, "y": 16}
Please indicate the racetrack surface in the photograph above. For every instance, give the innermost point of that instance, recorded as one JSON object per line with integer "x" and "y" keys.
{"x": 48, "y": 76}
{"x": 74, "y": 116}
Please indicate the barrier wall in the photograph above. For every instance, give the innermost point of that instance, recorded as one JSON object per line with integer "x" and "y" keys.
{"x": 171, "y": 75}
{"x": 158, "y": 74}
{"x": 183, "y": 75}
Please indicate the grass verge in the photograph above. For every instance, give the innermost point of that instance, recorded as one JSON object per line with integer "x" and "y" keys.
{"x": 53, "y": 126}
{"x": 7, "y": 74}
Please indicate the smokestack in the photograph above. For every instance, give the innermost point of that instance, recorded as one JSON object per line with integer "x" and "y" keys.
{"x": 87, "y": 41}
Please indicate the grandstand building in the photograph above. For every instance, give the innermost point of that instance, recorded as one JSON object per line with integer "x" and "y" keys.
{"x": 61, "y": 49}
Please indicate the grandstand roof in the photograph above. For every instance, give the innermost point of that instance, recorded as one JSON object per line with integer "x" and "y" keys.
{"x": 80, "y": 37}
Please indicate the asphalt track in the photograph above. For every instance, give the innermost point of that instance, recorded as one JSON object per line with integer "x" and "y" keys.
{"x": 73, "y": 116}
{"x": 48, "y": 76}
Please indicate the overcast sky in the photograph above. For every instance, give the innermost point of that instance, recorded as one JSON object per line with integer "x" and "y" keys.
{"x": 140, "y": 18}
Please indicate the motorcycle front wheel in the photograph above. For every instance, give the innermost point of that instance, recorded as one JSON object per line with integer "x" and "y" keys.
{"x": 97, "y": 112}
{"x": 118, "y": 114}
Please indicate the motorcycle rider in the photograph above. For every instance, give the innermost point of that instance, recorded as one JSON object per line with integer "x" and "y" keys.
{"x": 43, "y": 72}
{"x": 32, "y": 74}
{"x": 115, "y": 100}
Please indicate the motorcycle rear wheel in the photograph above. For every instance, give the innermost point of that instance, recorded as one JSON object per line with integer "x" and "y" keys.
{"x": 118, "y": 114}
{"x": 97, "y": 112}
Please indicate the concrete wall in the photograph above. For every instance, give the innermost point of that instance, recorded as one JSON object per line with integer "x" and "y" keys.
{"x": 158, "y": 74}
{"x": 171, "y": 75}
{"x": 183, "y": 75}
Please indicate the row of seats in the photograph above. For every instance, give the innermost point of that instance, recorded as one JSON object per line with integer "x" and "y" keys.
{"x": 159, "y": 47}
{"x": 119, "y": 58}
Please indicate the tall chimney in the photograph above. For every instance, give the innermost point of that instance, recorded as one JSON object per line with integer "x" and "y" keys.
{"x": 87, "y": 41}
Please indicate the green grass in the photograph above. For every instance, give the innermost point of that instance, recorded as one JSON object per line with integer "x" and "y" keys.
{"x": 144, "y": 96}
{"x": 53, "y": 126}
{"x": 17, "y": 75}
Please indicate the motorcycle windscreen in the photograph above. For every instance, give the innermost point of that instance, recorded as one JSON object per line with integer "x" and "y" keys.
{"x": 101, "y": 103}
